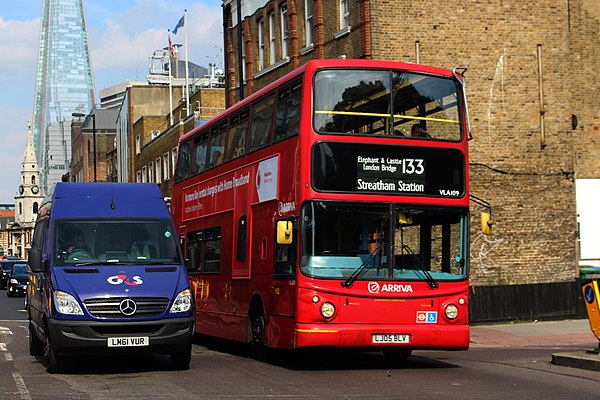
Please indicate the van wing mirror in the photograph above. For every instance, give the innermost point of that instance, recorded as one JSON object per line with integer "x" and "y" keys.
{"x": 284, "y": 232}
{"x": 36, "y": 264}
{"x": 486, "y": 223}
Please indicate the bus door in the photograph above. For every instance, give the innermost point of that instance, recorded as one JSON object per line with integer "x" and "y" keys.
{"x": 242, "y": 217}
{"x": 282, "y": 301}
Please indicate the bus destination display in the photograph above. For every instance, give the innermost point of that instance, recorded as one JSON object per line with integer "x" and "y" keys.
{"x": 377, "y": 169}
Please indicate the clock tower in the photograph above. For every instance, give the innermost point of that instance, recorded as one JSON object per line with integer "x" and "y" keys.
{"x": 27, "y": 201}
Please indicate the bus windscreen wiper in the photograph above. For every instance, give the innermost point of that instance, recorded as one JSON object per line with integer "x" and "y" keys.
{"x": 362, "y": 268}
{"x": 428, "y": 278}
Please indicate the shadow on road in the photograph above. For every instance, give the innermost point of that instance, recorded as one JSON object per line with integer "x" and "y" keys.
{"x": 325, "y": 359}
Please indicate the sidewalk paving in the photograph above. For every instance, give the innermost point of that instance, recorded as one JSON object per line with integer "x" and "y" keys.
{"x": 544, "y": 333}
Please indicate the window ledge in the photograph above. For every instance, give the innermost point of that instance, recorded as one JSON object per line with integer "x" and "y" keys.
{"x": 272, "y": 67}
{"x": 307, "y": 49}
{"x": 343, "y": 32}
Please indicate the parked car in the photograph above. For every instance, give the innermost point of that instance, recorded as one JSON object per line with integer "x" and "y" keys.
{"x": 17, "y": 281}
{"x": 7, "y": 266}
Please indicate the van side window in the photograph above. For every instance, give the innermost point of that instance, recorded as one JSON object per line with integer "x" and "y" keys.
{"x": 40, "y": 236}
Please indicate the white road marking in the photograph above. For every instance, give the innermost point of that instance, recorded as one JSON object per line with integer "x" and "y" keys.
{"x": 21, "y": 386}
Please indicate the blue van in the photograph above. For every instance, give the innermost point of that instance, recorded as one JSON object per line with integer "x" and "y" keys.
{"x": 107, "y": 276}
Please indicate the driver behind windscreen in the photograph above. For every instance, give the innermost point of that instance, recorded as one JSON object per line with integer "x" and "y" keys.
{"x": 77, "y": 242}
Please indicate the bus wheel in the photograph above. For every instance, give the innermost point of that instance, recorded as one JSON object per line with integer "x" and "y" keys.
{"x": 36, "y": 346}
{"x": 397, "y": 354}
{"x": 257, "y": 336}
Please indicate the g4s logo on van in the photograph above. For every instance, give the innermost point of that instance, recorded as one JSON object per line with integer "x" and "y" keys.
{"x": 121, "y": 278}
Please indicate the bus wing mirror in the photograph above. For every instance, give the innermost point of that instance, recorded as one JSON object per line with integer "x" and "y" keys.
{"x": 284, "y": 232}
{"x": 486, "y": 223}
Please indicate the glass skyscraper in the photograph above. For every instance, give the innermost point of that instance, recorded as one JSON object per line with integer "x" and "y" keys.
{"x": 64, "y": 85}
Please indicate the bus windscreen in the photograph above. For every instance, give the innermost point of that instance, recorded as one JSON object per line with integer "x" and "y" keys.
{"x": 383, "y": 102}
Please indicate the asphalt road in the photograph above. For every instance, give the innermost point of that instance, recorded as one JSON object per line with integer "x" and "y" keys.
{"x": 223, "y": 370}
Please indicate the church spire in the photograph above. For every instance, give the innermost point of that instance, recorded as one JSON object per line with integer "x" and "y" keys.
{"x": 30, "y": 159}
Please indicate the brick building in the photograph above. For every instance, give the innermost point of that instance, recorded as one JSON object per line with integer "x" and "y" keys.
{"x": 156, "y": 138}
{"x": 532, "y": 96}
{"x": 91, "y": 133}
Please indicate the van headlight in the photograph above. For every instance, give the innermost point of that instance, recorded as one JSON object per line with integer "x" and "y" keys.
{"x": 183, "y": 302}
{"x": 66, "y": 304}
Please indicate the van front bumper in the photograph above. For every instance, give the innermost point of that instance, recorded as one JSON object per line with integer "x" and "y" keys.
{"x": 165, "y": 336}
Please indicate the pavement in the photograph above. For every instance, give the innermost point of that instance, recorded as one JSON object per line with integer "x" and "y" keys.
{"x": 577, "y": 333}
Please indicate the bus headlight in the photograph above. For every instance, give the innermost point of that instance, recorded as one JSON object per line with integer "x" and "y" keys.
{"x": 66, "y": 304}
{"x": 451, "y": 311}
{"x": 183, "y": 302}
{"x": 327, "y": 309}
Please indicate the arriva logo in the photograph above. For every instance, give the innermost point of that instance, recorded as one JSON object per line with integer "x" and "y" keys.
{"x": 374, "y": 287}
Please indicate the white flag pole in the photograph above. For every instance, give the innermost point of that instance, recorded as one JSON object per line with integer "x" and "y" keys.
{"x": 170, "y": 82}
{"x": 187, "y": 83}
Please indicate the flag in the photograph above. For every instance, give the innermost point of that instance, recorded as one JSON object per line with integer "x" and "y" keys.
{"x": 171, "y": 48}
{"x": 179, "y": 25}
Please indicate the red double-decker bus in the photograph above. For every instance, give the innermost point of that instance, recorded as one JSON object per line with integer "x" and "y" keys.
{"x": 330, "y": 208}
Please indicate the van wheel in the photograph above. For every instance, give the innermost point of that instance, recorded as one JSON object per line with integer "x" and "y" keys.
{"x": 56, "y": 362}
{"x": 181, "y": 361}
{"x": 36, "y": 346}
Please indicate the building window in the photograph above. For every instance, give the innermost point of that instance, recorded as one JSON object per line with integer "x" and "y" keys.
{"x": 271, "y": 38}
{"x": 261, "y": 45}
{"x": 158, "y": 170}
{"x": 309, "y": 22}
{"x": 344, "y": 15}
{"x": 138, "y": 145}
{"x": 173, "y": 160}
{"x": 151, "y": 172}
{"x": 284, "y": 31}
{"x": 138, "y": 177}
{"x": 144, "y": 175}
{"x": 166, "y": 164}
{"x": 243, "y": 56}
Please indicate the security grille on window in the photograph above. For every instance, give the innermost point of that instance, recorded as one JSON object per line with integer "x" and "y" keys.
{"x": 309, "y": 22}
{"x": 344, "y": 14}
{"x": 271, "y": 39}
{"x": 284, "y": 31}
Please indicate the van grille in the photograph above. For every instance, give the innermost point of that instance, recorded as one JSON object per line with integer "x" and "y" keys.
{"x": 116, "y": 308}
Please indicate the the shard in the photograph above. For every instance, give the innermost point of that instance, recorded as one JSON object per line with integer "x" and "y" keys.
{"x": 64, "y": 85}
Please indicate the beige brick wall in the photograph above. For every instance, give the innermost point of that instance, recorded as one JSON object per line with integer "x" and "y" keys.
{"x": 527, "y": 173}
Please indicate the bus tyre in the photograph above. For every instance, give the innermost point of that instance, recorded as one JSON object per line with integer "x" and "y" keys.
{"x": 36, "y": 346}
{"x": 56, "y": 362}
{"x": 181, "y": 361}
{"x": 257, "y": 336}
{"x": 397, "y": 354}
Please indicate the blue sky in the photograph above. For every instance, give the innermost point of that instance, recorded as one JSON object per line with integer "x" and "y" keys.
{"x": 121, "y": 33}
